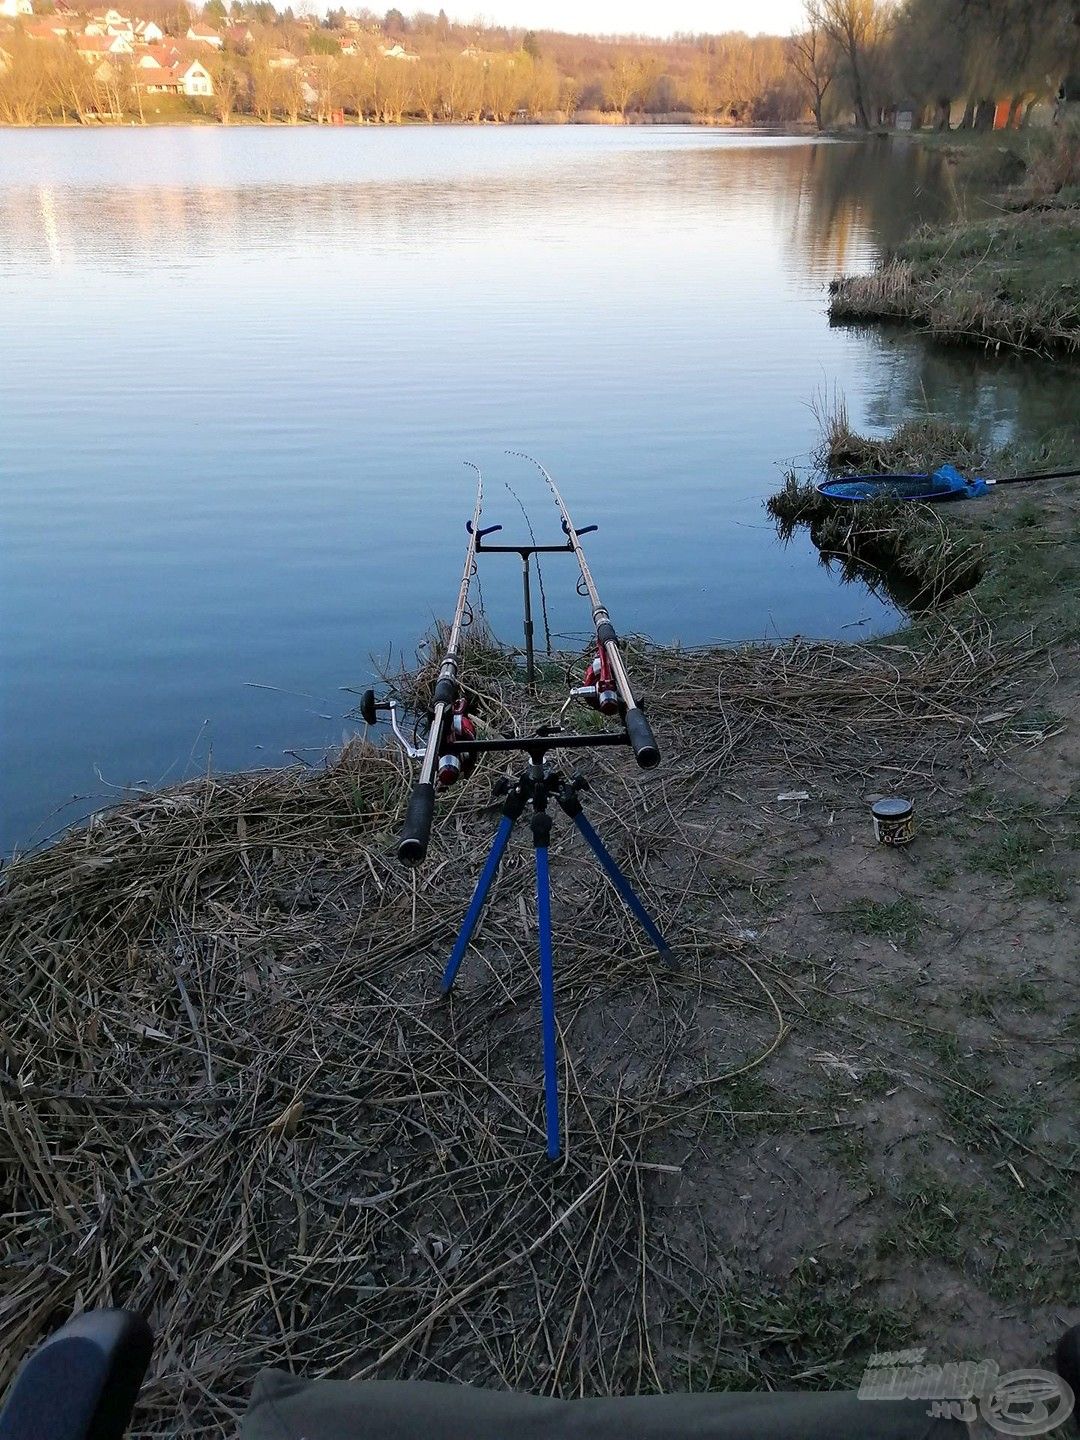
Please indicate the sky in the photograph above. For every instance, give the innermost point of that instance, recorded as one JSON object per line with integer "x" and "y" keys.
{"x": 629, "y": 17}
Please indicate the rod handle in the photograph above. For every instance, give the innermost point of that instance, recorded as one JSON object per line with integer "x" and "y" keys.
{"x": 416, "y": 832}
{"x": 642, "y": 740}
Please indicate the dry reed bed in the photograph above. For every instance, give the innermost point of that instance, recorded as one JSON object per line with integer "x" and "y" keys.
{"x": 231, "y": 1097}
{"x": 997, "y": 282}
{"x": 951, "y": 311}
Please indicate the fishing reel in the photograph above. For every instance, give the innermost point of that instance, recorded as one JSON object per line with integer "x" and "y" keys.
{"x": 459, "y": 727}
{"x": 453, "y": 767}
{"x": 598, "y": 688}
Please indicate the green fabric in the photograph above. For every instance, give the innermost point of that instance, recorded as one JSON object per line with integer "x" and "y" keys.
{"x": 284, "y": 1407}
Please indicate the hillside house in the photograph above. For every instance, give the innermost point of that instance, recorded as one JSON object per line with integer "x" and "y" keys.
{"x": 49, "y": 27}
{"x": 281, "y": 60}
{"x": 205, "y": 35}
{"x": 110, "y": 23}
{"x": 166, "y": 55}
{"x": 12, "y": 9}
{"x": 96, "y": 48}
{"x": 156, "y": 79}
{"x": 196, "y": 81}
{"x": 398, "y": 52}
{"x": 191, "y": 79}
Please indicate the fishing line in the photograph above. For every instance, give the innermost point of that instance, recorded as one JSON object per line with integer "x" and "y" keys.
{"x": 536, "y": 560}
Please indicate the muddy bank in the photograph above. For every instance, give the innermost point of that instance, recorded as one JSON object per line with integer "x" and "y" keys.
{"x": 231, "y": 1096}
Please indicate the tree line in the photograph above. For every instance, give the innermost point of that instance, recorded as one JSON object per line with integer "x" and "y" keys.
{"x": 852, "y": 61}
{"x": 452, "y": 73}
{"x": 859, "y": 59}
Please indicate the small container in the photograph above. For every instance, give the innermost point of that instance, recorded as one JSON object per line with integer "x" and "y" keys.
{"x": 894, "y": 820}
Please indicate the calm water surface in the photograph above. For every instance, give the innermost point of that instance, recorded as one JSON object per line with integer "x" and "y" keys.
{"x": 242, "y": 370}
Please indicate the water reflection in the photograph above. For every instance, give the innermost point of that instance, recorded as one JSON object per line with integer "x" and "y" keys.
{"x": 247, "y": 367}
{"x": 833, "y": 205}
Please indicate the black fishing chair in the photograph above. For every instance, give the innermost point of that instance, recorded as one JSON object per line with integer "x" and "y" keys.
{"x": 82, "y": 1384}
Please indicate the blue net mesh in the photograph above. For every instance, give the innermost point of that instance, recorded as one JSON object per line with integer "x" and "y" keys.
{"x": 946, "y": 483}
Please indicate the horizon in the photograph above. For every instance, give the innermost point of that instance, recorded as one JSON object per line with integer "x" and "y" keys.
{"x": 601, "y": 19}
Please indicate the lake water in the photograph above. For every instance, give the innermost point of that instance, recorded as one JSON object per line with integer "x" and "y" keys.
{"x": 242, "y": 368}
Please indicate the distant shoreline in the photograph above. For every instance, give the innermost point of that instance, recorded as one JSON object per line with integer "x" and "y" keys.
{"x": 597, "y": 119}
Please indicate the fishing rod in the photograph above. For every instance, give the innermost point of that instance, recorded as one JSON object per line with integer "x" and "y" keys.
{"x": 608, "y": 666}
{"x": 447, "y": 713}
{"x": 1035, "y": 475}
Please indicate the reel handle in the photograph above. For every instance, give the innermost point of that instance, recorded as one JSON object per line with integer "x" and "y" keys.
{"x": 416, "y": 832}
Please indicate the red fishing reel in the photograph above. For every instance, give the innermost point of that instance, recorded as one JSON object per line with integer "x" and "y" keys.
{"x": 598, "y": 687}
{"x": 452, "y": 766}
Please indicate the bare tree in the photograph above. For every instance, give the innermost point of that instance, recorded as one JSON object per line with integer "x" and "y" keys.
{"x": 452, "y": 85}
{"x": 500, "y": 88}
{"x": 230, "y": 85}
{"x": 427, "y": 82}
{"x": 290, "y": 92}
{"x": 701, "y": 88}
{"x": 569, "y": 96}
{"x": 539, "y": 88}
{"x": 264, "y": 86}
{"x": 24, "y": 81}
{"x": 475, "y": 86}
{"x": 813, "y": 58}
{"x": 647, "y": 71}
{"x": 71, "y": 85}
{"x": 852, "y": 27}
{"x": 324, "y": 76}
{"x": 622, "y": 82}
{"x": 393, "y": 89}
{"x": 355, "y": 86}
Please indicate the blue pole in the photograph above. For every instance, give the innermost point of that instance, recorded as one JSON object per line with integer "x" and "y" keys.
{"x": 476, "y": 904}
{"x": 622, "y": 885}
{"x": 547, "y": 1002}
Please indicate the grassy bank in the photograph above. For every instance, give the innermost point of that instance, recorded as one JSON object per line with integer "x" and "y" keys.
{"x": 231, "y": 1095}
{"x": 1012, "y": 557}
{"x": 1008, "y": 279}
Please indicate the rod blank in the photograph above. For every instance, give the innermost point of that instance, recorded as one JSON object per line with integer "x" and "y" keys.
{"x": 416, "y": 832}
{"x": 638, "y": 730}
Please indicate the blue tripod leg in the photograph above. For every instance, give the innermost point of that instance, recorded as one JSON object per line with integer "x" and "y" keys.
{"x": 622, "y": 885}
{"x": 476, "y": 904}
{"x": 547, "y": 1001}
